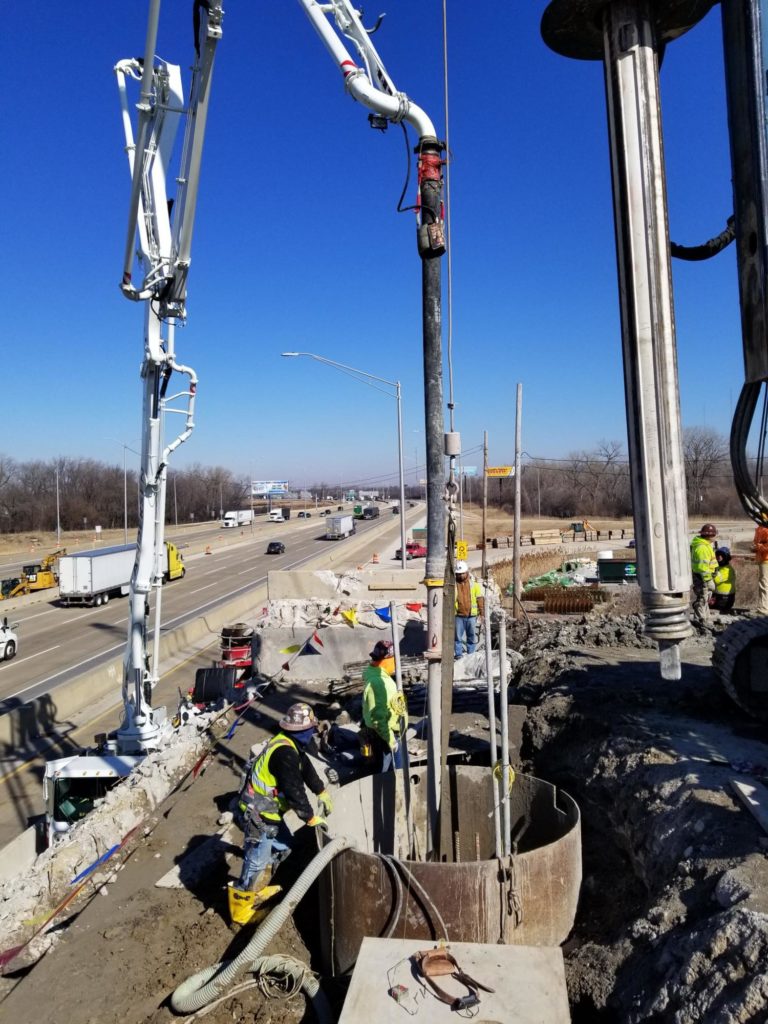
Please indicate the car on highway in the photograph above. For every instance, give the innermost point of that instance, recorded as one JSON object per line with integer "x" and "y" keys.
{"x": 412, "y": 550}
{"x": 304, "y": 515}
{"x": 326, "y": 512}
{"x": 275, "y": 547}
{"x": 9, "y": 641}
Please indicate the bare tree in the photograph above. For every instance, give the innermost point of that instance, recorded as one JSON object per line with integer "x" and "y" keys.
{"x": 706, "y": 454}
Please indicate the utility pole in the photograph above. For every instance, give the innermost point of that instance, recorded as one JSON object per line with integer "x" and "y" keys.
{"x": 516, "y": 548}
{"x": 58, "y": 516}
{"x": 485, "y": 503}
{"x": 175, "y": 503}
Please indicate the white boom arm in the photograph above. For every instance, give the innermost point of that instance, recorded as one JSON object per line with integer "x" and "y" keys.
{"x": 163, "y": 249}
{"x": 372, "y": 87}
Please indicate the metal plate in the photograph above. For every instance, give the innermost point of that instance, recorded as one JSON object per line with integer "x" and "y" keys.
{"x": 573, "y": 28}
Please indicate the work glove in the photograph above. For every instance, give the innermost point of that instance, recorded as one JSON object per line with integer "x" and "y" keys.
{"x": 711, "y": 586}
{"x": 324, "y": 799}
{"x": 315, "y": 822}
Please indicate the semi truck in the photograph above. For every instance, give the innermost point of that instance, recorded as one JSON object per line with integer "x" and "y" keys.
{"x": 233, "y": 519}
{"x": 93, "y": 577}
{"x": 279, "y": 515}
{"x": 339, "y": 527}
{"x": 371, "y": 512}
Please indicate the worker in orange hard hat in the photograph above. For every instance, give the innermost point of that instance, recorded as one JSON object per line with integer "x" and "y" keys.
{"x": 703, "y": 568}
{"x": 760, "y": 547}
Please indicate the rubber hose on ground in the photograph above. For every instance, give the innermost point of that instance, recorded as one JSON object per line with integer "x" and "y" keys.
{"x": 205, "y": 986}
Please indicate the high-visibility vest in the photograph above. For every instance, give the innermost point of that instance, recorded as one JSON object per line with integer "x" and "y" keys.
{"x": 263, "y": 789}
{"x": 475, "y": 591}
{"x": 383, "y": 704}
{"x": 725, "y": 579}
{"x": 703, "y": 561}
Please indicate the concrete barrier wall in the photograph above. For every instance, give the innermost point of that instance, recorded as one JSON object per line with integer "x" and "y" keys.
{"x": 366, "y": 585}
{"x": 50, "y": 711}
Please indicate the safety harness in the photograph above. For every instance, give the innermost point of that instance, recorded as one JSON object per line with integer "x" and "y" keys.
{"x": 440, "y": 963}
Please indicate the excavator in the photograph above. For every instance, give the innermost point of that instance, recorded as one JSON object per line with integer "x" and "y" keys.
{"x": 35, "y": 576}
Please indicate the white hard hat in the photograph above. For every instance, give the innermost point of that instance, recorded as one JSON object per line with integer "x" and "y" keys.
{"x": 461, "y": 567}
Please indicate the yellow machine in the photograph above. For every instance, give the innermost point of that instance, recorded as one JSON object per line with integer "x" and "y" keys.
{"x": 35, "y": 576}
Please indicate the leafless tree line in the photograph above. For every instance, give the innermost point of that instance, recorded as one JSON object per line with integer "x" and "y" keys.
{"x": 597, "y": 483}
{"x": 585, "y": 483}
{"x": 93, "y": 493}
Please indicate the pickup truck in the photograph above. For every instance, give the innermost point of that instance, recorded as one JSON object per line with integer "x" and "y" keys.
{"x": 412, "y": 550}
{"x": 9, "y": 640}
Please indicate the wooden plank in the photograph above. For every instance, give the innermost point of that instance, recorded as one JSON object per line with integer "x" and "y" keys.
{"x": 754, "y": 796}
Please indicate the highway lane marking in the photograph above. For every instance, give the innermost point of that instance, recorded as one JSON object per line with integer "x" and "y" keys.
{"x": 69, "y": 668}
{"x": 38, "y": 614}
{"x": 206, "y": 587}
{"x": 183, "y": 615}
{"x": 103, "y": 714}
{"x": 29, "y": 657}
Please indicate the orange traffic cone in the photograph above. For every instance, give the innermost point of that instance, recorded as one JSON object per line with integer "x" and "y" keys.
{"x": 208, "y": 549}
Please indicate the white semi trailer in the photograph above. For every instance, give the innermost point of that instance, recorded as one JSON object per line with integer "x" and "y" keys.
{"x": 339, "y": 527}
{"x": 92, "y": 577}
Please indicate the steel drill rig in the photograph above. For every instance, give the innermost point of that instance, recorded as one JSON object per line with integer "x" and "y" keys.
{"x": 630, "y": 37}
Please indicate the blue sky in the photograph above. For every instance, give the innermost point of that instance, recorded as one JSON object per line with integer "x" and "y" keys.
{"x": 298, "y": 246}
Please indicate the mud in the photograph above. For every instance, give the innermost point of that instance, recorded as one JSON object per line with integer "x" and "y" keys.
{"x": 673, "y": 919}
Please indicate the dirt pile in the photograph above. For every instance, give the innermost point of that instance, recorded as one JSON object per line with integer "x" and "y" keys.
{"x": 673, "y": 921}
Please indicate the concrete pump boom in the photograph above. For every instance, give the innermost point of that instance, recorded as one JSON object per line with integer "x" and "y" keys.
{"x": 163, "y": 247}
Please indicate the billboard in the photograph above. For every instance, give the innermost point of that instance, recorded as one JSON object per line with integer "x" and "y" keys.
{"x": 500, "y": 471}
{"x": 469, "y": 470}
{"x": 263, "y": 488}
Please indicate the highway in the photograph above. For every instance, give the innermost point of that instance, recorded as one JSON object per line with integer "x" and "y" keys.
{"x": 56, "y": 643}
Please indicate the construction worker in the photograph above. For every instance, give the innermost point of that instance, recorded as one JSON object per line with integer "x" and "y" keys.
{"x": 278, "y": 777}
{"x": 725, "y": 582}
{"x": 703, "y": 567}
{"x": 760, "y": 547}
{"x": 469, "y": 604}
{"x": 383, "y": 709}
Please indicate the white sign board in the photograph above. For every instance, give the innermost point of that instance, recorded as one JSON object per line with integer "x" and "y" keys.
{"x": 263, "y": 488}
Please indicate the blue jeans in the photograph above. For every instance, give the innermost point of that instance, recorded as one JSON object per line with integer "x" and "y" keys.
{"x": 466, "y": 635}
{"x": 264, "y": 845}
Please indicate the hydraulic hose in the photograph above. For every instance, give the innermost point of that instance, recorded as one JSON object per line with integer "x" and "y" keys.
{"x": 208, "y": 984}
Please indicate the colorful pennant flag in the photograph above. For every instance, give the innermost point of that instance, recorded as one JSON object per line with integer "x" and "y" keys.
{"x": 414, "y": 607}
{"x": 292, "y": 649}
{"x": 285, "y": 666}
{"x": 383, "y": 614}
{"x": 317, "y": 640}
{"x": 350, "y": 616}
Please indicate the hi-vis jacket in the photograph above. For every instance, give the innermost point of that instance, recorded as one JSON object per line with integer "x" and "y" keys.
{"x": 703, "y": 561}
{"x": 383, "y": 705}
{"x": 725, "y": 579}
{"x": 277, "y": 781}
{"x": 475, "y": 592}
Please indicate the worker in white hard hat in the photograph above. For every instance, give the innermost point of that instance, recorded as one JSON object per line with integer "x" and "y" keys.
{"x": 469, "y": 604}
{"x": 277, "y": 780}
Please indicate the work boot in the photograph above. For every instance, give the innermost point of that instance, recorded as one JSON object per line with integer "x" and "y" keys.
{"x": 241, "y": 904}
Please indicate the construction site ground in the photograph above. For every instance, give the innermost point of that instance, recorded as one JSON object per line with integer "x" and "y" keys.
{"x": 673, "y": 917}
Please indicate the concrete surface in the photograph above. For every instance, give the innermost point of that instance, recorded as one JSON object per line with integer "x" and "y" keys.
{"x": 529, "y": 984}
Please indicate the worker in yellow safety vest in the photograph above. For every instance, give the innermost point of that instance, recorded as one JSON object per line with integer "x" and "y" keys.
{"x": 703, "y": 568}
{"x": 384, "y": 710}
{"x": 277, "y": 779}
{"x": 725, "y": 582}
{"x": 469, "y": 604}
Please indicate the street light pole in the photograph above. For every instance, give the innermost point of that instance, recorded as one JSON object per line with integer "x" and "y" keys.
{"x": 358, "y": 374}
{"x": 125, "y": 498}
{"x": 58, "y": 515}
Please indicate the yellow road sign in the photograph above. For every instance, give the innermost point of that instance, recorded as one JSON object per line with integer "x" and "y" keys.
{"x": 462, "y": 550}
{"x": 499, "y": 471}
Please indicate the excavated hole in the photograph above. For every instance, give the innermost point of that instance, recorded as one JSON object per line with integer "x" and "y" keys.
{"x": 672, "y": 923}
